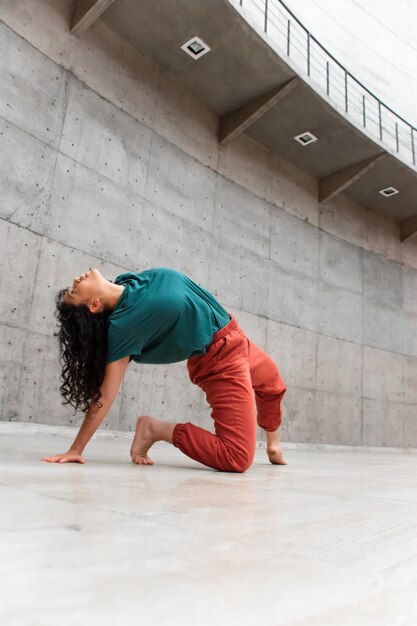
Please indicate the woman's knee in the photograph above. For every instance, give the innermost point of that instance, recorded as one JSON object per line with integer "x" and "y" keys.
{"x": 240, "y": 460}
{"x": 242, "y": 466}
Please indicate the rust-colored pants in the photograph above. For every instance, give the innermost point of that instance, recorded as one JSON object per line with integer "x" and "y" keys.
{"x": 232, "y": 368}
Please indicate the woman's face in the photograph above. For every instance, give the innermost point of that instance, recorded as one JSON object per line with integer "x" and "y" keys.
{"x": 84, "y": 288}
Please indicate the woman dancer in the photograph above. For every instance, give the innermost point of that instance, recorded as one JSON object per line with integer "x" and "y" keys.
{"x": 162, "y": 316}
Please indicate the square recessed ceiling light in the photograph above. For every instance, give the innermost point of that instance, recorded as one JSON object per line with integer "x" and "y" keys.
{"x": 388, "y": 191}
{"x": 195, "y": 47}
{"x": 305, "y": 138}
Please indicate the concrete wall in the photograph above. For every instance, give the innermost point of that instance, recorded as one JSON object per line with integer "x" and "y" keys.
{"x": 106, "y": 163}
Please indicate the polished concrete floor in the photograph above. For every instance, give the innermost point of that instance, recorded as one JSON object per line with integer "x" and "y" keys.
{"x": 329, "y": 540}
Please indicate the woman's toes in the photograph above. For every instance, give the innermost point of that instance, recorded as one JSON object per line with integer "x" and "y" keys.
{"x": 142, "y": 460}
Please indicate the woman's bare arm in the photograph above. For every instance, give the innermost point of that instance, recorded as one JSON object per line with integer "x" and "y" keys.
{"x": 113, "y": 376}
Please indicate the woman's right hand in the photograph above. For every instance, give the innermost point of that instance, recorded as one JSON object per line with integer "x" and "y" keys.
{"x": 72, "y": 456}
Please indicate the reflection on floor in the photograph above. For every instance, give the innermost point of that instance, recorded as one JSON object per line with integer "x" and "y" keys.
{"x": 328, "y": 540}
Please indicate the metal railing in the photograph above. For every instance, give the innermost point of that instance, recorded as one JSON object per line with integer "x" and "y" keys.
{"x": 289, "y": 34}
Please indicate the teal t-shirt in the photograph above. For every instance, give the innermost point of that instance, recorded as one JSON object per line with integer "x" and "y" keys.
{"x": 162, "y": 316}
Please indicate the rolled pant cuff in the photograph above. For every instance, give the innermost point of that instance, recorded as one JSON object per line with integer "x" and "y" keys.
{"x": 177, "y": 434}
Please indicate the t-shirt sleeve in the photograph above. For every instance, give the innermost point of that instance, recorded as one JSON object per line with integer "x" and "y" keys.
{"x": 120, "y": 344}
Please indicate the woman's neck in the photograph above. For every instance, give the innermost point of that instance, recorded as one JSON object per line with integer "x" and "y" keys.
{"x": 111, "y": 295}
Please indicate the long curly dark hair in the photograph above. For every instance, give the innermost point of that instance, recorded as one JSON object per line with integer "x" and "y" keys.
{"x": 83, "y": 350}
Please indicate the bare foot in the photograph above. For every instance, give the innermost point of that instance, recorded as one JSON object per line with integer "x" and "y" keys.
{"x": 276, "y": 455}
{"x": 144, "y": 438}
{"x": 274, "y": 449}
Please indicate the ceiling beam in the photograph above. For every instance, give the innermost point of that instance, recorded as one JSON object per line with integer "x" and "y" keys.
{"x": 336, "y": 183}
{"x": 408, "y": 228}
{"x": 86, "y": 12}
{"x": 234, "y": 123}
